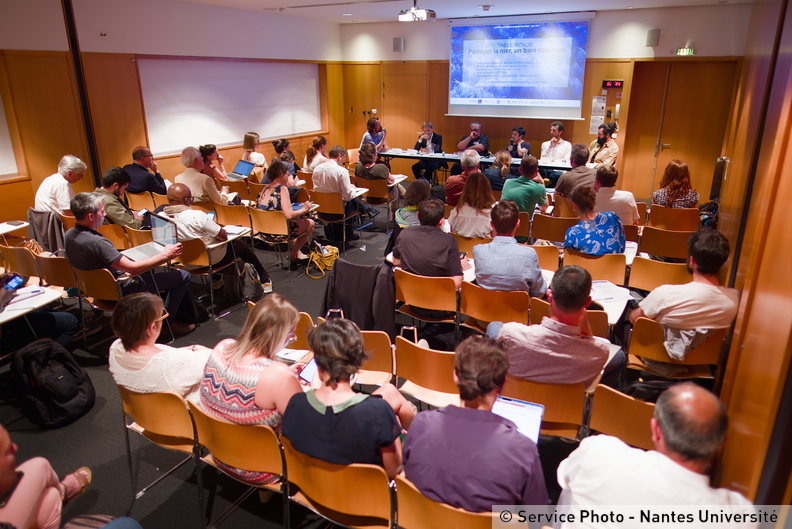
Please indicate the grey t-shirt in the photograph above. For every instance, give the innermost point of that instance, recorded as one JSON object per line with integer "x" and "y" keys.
{"x": 87, "y": 249}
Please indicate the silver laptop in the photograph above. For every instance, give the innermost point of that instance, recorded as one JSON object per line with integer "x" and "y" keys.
{"x": 242, "y": 170}
{"x": 526, "y": 415}
{"x": 163, "y": 231}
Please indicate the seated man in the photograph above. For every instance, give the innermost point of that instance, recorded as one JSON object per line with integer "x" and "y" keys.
{"x": 556, "y": 150}
{"x": 688, "y": 311}
{"x": 503, "y": 264}
{"x": 604, "y": 150}
{"x": 578, "y": 175}
{"x": 611, "y": 199}
{"x": 196, "y": 224}
{"x": 87, "y": 249}
{"x": 469, "y": 162}
{"x": 688, "y": 429}
{"x": 562, "y": 349}
{"x": 114, "y": 183}
{"x": 501, "y": 465}
{"x": 144, "y": 174}
{"x": 375, "y": 135}
{"x": 55, "y": 192}
{"x": 528, "y": 190}
{"x": 476, "y": 141}
{"x": 201, "y": 186}
{"x": 428, "y": 142}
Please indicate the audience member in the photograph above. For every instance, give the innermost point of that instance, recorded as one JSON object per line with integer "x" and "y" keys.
{"x": 337, "y": 425}
{"x": 367, "y": 168}
{"x": 243, "y": 382}
{"x": 608, "y": 198}
{"x": 213, "y": 162}
{"x": 316, "y": 154}
{"x": 562, "y": 349}
{"x": 688, "y": 429}
{"x": 144, "y": 173}
{"x": 518, "y": 147}
{"x": 281, "y": 146}
{"x": 139, "y": 363}
{"x": 528, "y": 190}
{"x": 471, "y": 216}
{"x": 503, "y": 264}
{"x": 287, "y": 157}
{"x": 675, "y": 190}
{"x": 55, "y": 192}
{"x": 578, "y": 175}
{"x": 596, "y": 233}
{"x": 476, "y": 141}
{"x": 428, "y": 142}
{"x": 501, "y": 465}
{"x": 500, "y": 171}
{"x": 417, "y": 192}
{"x": 201, "y": 186}
{"x": 604, "y": 149}
{"x": 469, "y": 162}
{"x": 375, "y": 135}
{"x": 87, "y": 249}
{"x": 250, "y": 144}
{"x": 114, "y": 183}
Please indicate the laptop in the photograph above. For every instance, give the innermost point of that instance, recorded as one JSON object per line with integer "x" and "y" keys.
{"x": 163, "y": 231}
{"x": 242, "y": 170}
{"x": 526, "y": 415}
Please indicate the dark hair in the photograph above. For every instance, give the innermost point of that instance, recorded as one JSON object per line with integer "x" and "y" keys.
{"x": 571, "y": 286}
{"x": 519, "y": 130}
{"x": 607, "y": 128}
{"x": 313, "y": 150}
{"x": 430, "y": 211}
{"x": 133, "y": 315}
{"x": 584, "y": 198}
{"x": 280, "y": 145}
{"x": 687, "y": 434}
{"x": 275, "y": 170}
{"x": 709, "y": 248}
{"x": 337, "y": 151}
{"x": 115, "y": 175}
{"x": 607, "y": 175}
{"x": 140, "y": 152}
{"x": 207, "y": 150}
{"x": 84, "y": 203}
{"x": 505, "y": 215}
{"x": 337, "y": 346}
{"x": 580, "y": 154}
{"x": 676, "y": 178}
{"x": 286, "y": 156}
{"x": 528, "y": 166}
{"x": 558, "y": 124}
{"x": 477, "y": 193}
{"x": 418, "y": 190}
{"x": 367, "y": 153}
{"x": 480, "y": 365}
{"x": 371, "y": 124}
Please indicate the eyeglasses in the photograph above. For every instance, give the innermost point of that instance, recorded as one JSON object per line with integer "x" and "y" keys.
{"x": 164, "y": 315}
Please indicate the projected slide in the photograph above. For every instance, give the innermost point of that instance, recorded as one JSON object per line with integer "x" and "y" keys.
{"x": 532, "y": 70}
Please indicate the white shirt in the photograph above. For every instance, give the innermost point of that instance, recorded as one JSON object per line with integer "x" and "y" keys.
{"x": 256, "y": 158}
{"x": 469, "y": 222}
{"x": 195, "y": 224}
{"x": 693, "y": 305}
{"x": 54, "y": 194}
{"x": 316, "y": 161}
{"x": 560, "y": 152}
{"x": 329, "y": 177}
{"x": 620, "y": 202}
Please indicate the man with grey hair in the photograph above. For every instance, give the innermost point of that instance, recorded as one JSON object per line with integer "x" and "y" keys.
{"x": 688, "y": 428}
{"x": 55, "y": 191}
{"x": 202, "y": 186}
{"x": 469, "y": 161}
{"x": 475, "y": 140}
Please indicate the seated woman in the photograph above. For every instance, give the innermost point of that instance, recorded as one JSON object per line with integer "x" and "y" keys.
{"x": 337, "y": 425}
{"x": 408, "y": 215}
{"x": 31, "y": 496}
{"x": 243, "y": 382}
{"x": 316, "y": 154}
{"x": 500, "y": 171}
{"x": 287, "y": 157}
{"x": 596, "y": 233}
{"x": 367, "y": 168}
{"x": 213, "y": 162}
{"x": 139, "y": 363}
{"x": 471, "y": 216}
{"x": 275, "y": 197}
{"x": 250, "y": 143}
{"x": 501, "y": 465}
{"x": 282, "y": 147}
{"x": 675, "y": 190}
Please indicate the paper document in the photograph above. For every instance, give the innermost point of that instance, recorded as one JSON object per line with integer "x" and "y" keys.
{"x": 607, "y": 291}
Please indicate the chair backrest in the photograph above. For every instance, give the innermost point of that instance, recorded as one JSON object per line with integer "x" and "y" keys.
{"x": 302, "y": 196}
{"x": 69, "y": 221}
{"x": 206, "y": 206}
{"x": 617, "y": 414}
{"x": 524, "y": 229}
{"x": 20, "y": 260}
{"x": 382, "y": 354}
{"x": 194, "y": 253}
{"x": 330, "y": 203}
{"x": 494, "y": 305}
{"x": 353, "y": 156}
{"x": 551, "y": 228}
{"x": 115, "y": 234}
{"x": 598, "y": 319}
{"x": 99, "y": 284}
{"x": 138, "y": 201}
{"x": 237, "y": 186}
{"x": 255, "y": 190}
{"x": 427, "y": 368}
{"x": 308, "y": 177}
{"x": 269, "y": 222}
{"x": 548, "y": 256}
{"x": 376, "y": 188}
{"x": 417, "y": 511}
{"x": 466, "y": 244}
{"x": 563, "y": 403}
{"x": 666, "y": 243}
{"x": 647, "y": 342}
{"x": 641, "y": 212}
{"x": 159, "y": 200}
{"x": 163, "y": 416}
{"x": 234, "y": 215}
{"x": 57, "y": 271}
{"x": 437, "y": 293}
{"x": 138, "y": 237}
{"x": 353, "y": 495}
{"x": 562, "y": 207}
{"x": 609, "y": 267}
{"x": 648, "y": 274}
{"x": 497, "y": 194}
{"x": 678, "y": 219}
{"x": 304, "y": 325}
{"x": 631, "y": 232}
{"x": 447, "y": 211}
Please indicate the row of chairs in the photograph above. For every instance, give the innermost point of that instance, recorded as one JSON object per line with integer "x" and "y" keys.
{"x": 676, "y": 219}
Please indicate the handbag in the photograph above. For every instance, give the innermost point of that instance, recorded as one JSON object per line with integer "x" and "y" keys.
{"x": 322, "y": 258}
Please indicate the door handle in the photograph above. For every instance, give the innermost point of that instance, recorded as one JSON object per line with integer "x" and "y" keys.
{"x": 664, "y": 146}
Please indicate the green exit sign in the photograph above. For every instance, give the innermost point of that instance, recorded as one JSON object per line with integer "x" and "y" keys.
{"x": 686, "y": 51}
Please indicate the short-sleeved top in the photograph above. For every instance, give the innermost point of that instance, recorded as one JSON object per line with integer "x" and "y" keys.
{"x": 202, "y": 187}
{"x": 688, "y": 200}
{"x": 87, "y": 249}
{"x": 580, "y": 175}
{"x": 317, "y": 160}
{"x": 369, "y": 138}
{"x": 196, "y": 224}
{"x": 525, "y": 192}
{"x": 481, "y": 140}
{"x": 54, "y": 194}
{"x": 603, "y": 235}
{"x": 496, "y": 181}
{"x": 512, "y": 149}
{"x": 377, "y": 171}
{"x": 427, "y": 251}
{"x": 622, "y": 203}
{"x": 454, "y": 187}
{"x": 350, "y": 432}
{"x": 501, "y": 466}
{"x": 468, "y": 221}
{"x": 692, "y": 306}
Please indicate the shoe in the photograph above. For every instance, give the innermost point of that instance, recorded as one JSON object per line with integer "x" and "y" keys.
{"x": 75, "y": 484}
{"x": 179, "y": 327}
{"x": 267, "y": 287}
{"x": 373, "y": 212}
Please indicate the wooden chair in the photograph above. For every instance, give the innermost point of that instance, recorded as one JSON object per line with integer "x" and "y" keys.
{"x": 332, "y": 204}
{"x": 115, "y": 233}
{"x": 69, "y": 221}
{"x": 196, "y": 261}
{"x": 524, "y": 229}
{"x": 255, "y": 191}
{"x": 609, "y": 267}
{"x": 666, "y": 243}
{"x": 428, "y": 373}
{"x": 598, "y": 319}
{"x": 138, "y": 237}
{"x": 308, "y": 177}
{"x": 434, "y": 293}
{"x": 548, "y": 256}
{"x": 466, "y": 244}
{"x": 356, "y": 495}
{"x": 497, "y": 194}
{"x": 159, "y": 200}
{"x": 648, "y": 274}
{"x": 138, "y": 201}
{"x": 641, "y": 212}
{"x": 564, "y": 404}
{"x": 233, "y": 215}
{"x": 551, "y": 228}
{"x": 562, "y": 207}
{"x": 379, "y": 193}
{"x": 677, "y": 219}
{"x": 272, "y": 227}
{"x": 237, "y": 186}
{"x": 101, "y": 285}
{"x": 417, "y": 511}
{"x": 379, "y": 368}
{"x": 206, "y": 206}
{"x": 614, "y": 413}
{"x": 484, "y": 306}
{"x": 21, "y": 260}
{"x": 646, "y": 342}
{"x": 631, "y": 232}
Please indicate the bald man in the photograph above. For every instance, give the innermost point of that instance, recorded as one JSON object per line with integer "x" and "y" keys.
{"x": 688, "y": 428}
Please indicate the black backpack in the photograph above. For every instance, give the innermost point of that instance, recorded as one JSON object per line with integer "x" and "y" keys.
{"x": 53, "y": 389}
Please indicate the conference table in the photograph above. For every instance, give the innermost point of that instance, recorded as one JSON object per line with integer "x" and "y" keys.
{"x": 412, "y": 154}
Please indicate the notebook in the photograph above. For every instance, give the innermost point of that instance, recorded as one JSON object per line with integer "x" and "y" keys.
{"x": 163, "y": 231}
{"x": 526, "y": 415}
{"x": 242, "y": 170}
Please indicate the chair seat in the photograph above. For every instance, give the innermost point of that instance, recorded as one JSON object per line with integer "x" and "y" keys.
{"x": 408, "y": 310}
{"x": 685, "y": 371}
{"x": 439, "y": 399}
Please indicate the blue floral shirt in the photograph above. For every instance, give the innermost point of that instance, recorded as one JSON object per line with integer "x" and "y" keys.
{"x": 604, "y": 234}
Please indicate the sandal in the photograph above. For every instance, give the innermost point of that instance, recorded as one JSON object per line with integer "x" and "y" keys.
{"x": 80, "y": 479}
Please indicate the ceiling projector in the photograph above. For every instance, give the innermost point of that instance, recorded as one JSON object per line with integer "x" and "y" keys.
{"x": 413, "y": 14}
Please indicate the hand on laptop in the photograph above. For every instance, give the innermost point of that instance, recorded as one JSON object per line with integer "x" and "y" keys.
{"x": 172, "y": 250}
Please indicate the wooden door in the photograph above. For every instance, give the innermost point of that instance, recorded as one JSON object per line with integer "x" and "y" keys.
{"x": 362, "y": 93}
{"x": 404, "y": 108}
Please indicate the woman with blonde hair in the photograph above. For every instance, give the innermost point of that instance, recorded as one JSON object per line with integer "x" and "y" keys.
{"x": 675, "y": 190}
{"x": 316, "y": 154}
{"x": 500, "y": 171}
{"x": 471, "y": 216}
{"x": 244, "y": 383}
{"x": 250, "y": 143}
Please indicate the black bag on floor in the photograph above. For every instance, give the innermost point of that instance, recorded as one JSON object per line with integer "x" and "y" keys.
{"x": 53, "y": 389}
{"x": 648, "y": 390}
{"x": 192, "y": 310}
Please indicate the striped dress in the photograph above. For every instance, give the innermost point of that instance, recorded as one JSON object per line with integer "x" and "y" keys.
{"x": 228, "y": 392}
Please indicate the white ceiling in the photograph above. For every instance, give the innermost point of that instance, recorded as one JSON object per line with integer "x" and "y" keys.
{"x": 387, "y": 10}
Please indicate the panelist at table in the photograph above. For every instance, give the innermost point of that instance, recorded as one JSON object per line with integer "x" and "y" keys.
{"x": 475, "y": 140}
{"x": 428, "y": 142}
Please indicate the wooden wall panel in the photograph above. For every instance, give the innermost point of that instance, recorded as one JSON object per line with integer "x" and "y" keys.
{"x": 16, "y": 196}
{"x": 362, "y": 93}
{"x": 404, "y": 105}
{"x": 333, "y": 87}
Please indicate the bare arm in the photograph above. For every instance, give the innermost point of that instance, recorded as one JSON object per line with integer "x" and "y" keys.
{"x": 457, "y": 281}
{"x": 635, "y": 314}
{"x": 392, "y": 458}
{"x": 275, "y": 387}
{"x": 462, "y": 145}
{"x": 286, "y": 205}
{"x": 125, "y": 264}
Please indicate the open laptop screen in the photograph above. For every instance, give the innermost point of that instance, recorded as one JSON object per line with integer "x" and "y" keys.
{"x": 163, "y": 230}
{"x": 526, "y": 415}
{"x": 244, "y": 168}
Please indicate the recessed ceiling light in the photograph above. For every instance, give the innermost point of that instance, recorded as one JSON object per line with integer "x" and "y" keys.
{"x": 347, "y": 14}
{"x": 630, "y": 7}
